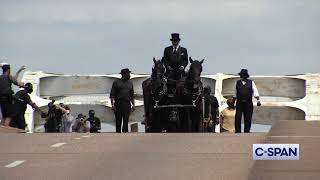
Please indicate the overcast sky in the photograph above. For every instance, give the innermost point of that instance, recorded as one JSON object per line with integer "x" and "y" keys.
{"x": 101, "y": 37}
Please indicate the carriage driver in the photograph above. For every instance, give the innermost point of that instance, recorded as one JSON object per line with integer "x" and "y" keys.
{"x": 175, "y": 58}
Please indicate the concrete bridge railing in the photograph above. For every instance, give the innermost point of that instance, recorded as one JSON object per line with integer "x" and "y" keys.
{"x": 294, "y": 97}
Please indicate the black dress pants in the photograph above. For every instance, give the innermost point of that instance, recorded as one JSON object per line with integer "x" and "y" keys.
{"x": 6, "y": 105}
{"x": 122, "y": 114}
{"x": 18, "y": 121}
{"x": 245, "y": 108}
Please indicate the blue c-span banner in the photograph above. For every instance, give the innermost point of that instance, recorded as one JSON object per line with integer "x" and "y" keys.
{"x": 275, "y": 151}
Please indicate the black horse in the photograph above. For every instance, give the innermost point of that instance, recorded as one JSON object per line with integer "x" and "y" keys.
{"x": 154, "y": 92}
{"x": 189, "y": 92}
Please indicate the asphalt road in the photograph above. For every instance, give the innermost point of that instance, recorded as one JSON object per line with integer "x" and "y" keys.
{"x": 157, "y": 156}
{"x": 307, "y": 135}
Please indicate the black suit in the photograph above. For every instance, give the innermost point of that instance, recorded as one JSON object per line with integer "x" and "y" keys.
{"x": 175, "y": 59}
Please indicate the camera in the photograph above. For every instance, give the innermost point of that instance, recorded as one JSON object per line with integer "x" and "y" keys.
{"x": 83, "y": 118}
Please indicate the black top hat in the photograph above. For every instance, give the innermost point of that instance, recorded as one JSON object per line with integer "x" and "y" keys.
{"x": 244, "y": 72}
{"x": 175, "y": 37}
{"x": 125, "y": 71}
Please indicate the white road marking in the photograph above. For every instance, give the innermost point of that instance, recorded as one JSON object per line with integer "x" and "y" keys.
{"x": 87, "y": 136}
{"x": 58, "y": 145}
{"x": 294, "y": 136}
{"x": 77, "y": 138}
{"x": 15, "y": 164}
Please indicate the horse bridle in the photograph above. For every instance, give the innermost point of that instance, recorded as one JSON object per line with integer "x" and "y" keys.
{"x": 162, "y": 92}
{"x": 195, "y": 95}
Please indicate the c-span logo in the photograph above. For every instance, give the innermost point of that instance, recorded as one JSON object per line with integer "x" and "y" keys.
{"x": 275, "y": 151}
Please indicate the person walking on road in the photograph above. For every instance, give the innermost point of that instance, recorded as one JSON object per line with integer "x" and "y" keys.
{"x": 245, "y": 89}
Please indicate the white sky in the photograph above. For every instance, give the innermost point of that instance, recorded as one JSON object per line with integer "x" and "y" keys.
{"x": 94, "y": 37}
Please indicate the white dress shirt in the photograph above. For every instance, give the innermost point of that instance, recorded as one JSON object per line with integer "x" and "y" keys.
{"x": 254, "y": 89}
{"x": 175, "y": 49}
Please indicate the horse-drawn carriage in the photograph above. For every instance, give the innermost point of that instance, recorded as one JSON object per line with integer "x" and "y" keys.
{"x": 174, "y": 105}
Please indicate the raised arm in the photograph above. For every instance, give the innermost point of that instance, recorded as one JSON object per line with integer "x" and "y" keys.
{"x": 62, "y": 109}
{"x": 15, "y": 81}
{"x": 19, "y": 71}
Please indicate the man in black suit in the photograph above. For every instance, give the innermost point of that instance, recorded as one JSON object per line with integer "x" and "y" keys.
{"x": 175, "y": 58}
